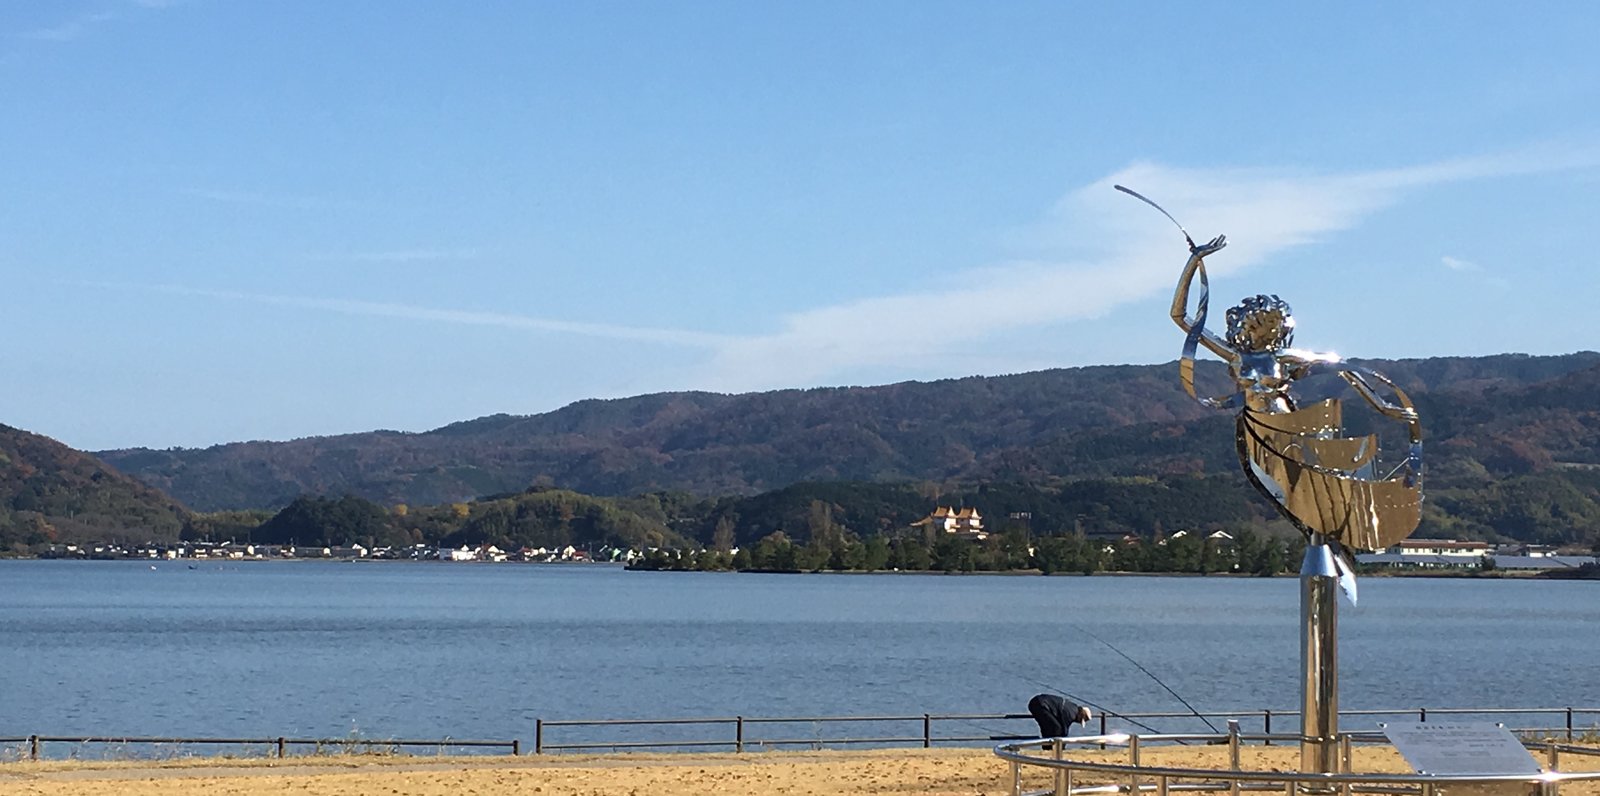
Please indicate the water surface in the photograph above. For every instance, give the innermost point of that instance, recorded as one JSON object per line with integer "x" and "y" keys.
{"x": 469, "y": 650}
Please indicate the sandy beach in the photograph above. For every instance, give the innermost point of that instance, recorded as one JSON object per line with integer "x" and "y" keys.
{"x": 938, "y": 772}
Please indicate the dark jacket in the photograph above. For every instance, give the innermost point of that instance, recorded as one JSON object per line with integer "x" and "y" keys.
{"x": 1054, "y": 714}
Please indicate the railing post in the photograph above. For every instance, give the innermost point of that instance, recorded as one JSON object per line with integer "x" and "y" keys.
{"x": 1266, "y": 725}
{"x": 1569, "y": 725}
{"x": 538, "y": 736}
{"x": 738, "y": 734}
{"x": 280, "y": 747}
{"x": 927, "y": 731}
{"x": 1061, "y": 788}
{"x": 1233, "y": 757}
{"x": 33, "y": 747}
{"x": 1133, "y": 760}
{"x": 1102, "y": 723}
{"x": 516, "y": 747}
{"x": 1422, "y": 714}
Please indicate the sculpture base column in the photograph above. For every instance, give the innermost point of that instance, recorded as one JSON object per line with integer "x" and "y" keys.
{"x": 1319, "y": 659}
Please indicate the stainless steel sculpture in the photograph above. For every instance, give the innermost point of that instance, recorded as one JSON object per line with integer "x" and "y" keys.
{"x": 1326, "y": 484}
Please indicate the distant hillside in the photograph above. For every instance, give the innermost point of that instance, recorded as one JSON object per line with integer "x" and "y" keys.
{"x": 1474, "y": 429}
{"x": 549, "y": 518}
{"x": 49, "y": 492}
{"x": 1487, "y": 416}
{"x": 699, "y": 442}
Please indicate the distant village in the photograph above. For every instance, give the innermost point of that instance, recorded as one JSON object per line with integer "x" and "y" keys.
{"x": 1422, "y": 554}
{"x": 963, "y": 523}
{"x": 1454, "y": 554}
{"x": 230, "y": 551}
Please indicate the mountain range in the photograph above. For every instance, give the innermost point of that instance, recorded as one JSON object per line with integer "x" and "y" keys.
{"x": 1487, "y": 418}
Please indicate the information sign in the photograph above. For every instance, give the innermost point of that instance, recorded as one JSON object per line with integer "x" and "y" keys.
{"x": 1445, "y": 750}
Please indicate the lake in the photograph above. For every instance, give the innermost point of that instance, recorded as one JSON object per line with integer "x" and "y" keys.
{"x": 431, "y": 649}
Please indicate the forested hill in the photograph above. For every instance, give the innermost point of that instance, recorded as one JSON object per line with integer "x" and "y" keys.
{"x": 49, "y": 491}
{"x": 1486, "y": 417}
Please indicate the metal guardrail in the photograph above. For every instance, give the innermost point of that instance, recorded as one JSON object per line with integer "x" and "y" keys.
{"x": 920, "y": 729}
{"x": 1566, "y": 718}
{"x": 741, "y": 733}
{"x": 920, "y": 733}
{"x": 1133, "y": 778}
{"x": 280, "y": 745}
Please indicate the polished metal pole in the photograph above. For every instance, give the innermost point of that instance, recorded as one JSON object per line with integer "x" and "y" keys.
{"x": 1319, "y": 659}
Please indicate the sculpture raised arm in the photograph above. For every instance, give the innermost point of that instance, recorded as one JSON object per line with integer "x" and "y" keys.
{"x": 1180, "y": 299}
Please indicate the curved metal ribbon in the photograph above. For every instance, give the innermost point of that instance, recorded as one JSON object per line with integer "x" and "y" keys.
{"x": 1191, "y": 346}
{"x": 1347, "y": 577}
{"x": 1412, "y": 465}
{"x": 1413, "y": 462}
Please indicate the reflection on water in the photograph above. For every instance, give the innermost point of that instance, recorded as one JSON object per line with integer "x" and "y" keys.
{"x": 430, "y": 649}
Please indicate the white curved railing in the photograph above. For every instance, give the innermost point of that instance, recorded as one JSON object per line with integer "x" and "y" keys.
{"x": 1133, "y": 777}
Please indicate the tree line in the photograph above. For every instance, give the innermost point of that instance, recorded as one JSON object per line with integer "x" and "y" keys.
{"x": 831, "y": 547}
{"x": 1075, "y": 526}
{"x": 1249, "y": 553}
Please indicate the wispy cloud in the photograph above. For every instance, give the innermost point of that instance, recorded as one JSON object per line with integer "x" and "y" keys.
{"x": 636, "y": 334}
{"x": 398, "y": 255}
{"x": 1102, "y": 250}
{"x": 1094, "y": 251}
{"x": 76, "y": 27}
{"x": 71, "y": 29}
{"x": 1476, "y": 271}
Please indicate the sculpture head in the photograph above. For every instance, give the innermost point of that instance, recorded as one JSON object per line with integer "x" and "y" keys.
{"x": 1260, "y": 324}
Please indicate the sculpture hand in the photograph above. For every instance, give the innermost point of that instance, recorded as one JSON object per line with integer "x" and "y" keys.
{"x": 1214, "y": 245}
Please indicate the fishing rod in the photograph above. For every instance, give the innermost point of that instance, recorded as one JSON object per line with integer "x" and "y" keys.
{"x": 1151, "y": 674}
{"x": 1141, "y": 197}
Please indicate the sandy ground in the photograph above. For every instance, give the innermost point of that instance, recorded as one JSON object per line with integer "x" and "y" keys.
{"x": 939, "y": 772}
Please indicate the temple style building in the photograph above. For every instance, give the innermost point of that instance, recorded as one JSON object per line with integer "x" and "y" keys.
{"x": 963, "y": 522}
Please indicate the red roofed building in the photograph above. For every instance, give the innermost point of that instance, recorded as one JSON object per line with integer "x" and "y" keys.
{"x": 964, "y": 522}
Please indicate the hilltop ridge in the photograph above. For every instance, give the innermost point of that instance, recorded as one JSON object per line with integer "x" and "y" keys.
{"x": 1501, "y": 415}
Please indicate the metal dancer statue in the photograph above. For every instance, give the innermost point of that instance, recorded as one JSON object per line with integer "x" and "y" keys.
{"x": 1326, "y": 484}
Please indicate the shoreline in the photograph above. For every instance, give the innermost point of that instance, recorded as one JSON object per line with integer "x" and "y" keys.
{"x": 206, "y": 563}
{"x": 878, "y": 772}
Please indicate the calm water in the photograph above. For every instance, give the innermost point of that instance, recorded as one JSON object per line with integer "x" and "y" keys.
{"x": 428, "y": 650}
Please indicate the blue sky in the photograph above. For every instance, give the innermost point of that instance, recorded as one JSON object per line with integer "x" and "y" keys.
{"x": 223, "y": 221}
